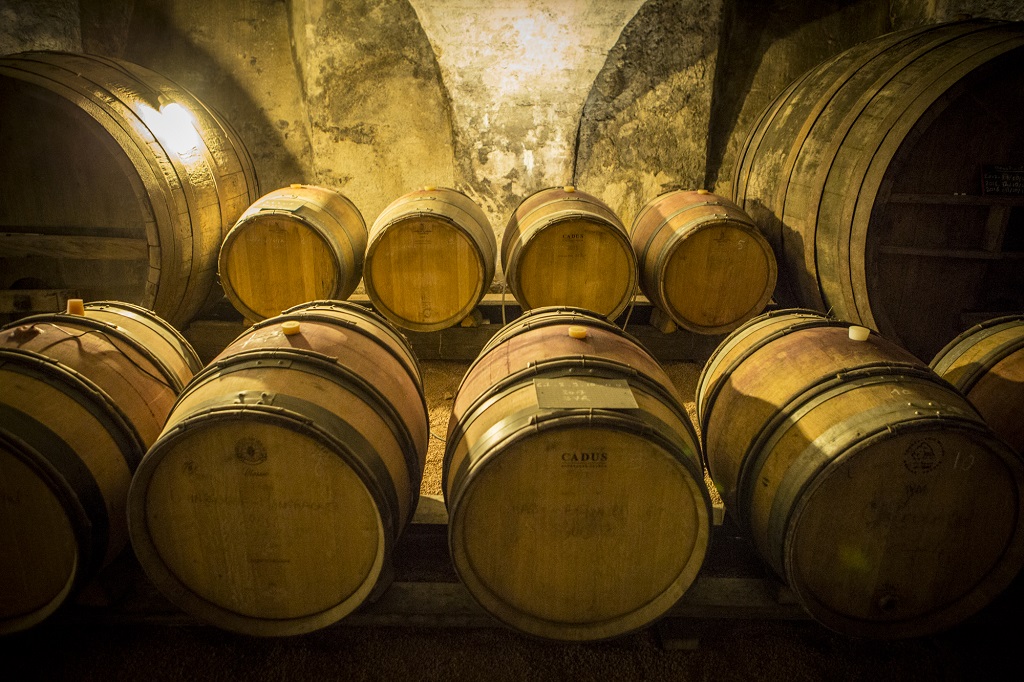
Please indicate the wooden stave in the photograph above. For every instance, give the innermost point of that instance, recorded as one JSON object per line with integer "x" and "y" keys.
{"x": 321, "y": 213}
{"x": 460, "y": 467}
{"x": 548, "y": 208}
{"x": 985, "y": 364}
{"x": 839, "y": 278}
{"x": 463, "y": 216}
{"x": 137, "y": 359}
{"x": 180, "y": 280}
{"x": 703, "y": 208}
{"x": 762, "y": 511}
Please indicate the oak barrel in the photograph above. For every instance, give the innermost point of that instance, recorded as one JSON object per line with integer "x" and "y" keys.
{"x": 986, "y": 364}
{"x": 110, "y": 192}
{"x": 81, "y": 398}
{"x": 272, "y": 501}
{"x": 888, "y": 181}
{"x": 295, "y": 244}
{"x": 566, "y": 247}
{"x": 430, "y": 259}
{"x": 703, "y": 261}
{"x": 869, "y": 484}
{"x": 576, "y": 499}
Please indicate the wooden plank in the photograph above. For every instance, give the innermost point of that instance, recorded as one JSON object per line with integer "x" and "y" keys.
{"x": 59, "y": 246}
{"x": 955, "y": 199}
{"x": 35, "y": 300}
{"x": 956, "y": 254}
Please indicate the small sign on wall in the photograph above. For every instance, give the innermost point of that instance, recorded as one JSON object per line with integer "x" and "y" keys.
{"x": 1007, "y": 181}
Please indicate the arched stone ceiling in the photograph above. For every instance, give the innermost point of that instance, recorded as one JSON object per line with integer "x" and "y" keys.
{"x": 518, "y": 74}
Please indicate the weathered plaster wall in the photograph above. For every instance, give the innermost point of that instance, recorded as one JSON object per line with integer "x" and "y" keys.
{"x": 39, "y": 25}
{"x": 518, "y": 74}
{"x": 645, "y": 123}
{"x": 498, "y": 98}
{"x": 377, "y": 111}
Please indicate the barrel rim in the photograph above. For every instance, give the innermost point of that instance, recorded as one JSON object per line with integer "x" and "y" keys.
{"x": 520, "y": 247}
{"x": 612, "y": 627}
{"x": 977, "y": 596}
{"x": 175, "y": 589}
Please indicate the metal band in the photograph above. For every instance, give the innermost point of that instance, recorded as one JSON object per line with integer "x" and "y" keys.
{"x": 704, "y": 415}
{"x": 826, "y": 388}
{"x": 66, "y": 475}
{"x": 83, "y": 391}
{"x": 312, "y": 311}
{"x": 158, "y": 324}
{"x": 577, "y": 366}
{"x": 846, "y": 439}
{"x": 300, "y": 416}
{"x": 532, "y": 420}
{"x": 642, "y": 253}
{"x": 323, "y": 366}
{"x": 170, "y": 377}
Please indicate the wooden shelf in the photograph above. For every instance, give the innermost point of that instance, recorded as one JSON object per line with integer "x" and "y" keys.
{"x": 426, "y": 592}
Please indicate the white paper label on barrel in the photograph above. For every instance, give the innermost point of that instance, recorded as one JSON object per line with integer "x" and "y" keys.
{"x": 566, "y": 392}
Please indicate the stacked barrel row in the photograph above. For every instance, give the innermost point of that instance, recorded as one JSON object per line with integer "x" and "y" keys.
{"x": 429, "y": 257}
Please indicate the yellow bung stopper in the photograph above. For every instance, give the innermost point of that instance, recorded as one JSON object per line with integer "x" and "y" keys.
{"x": 291, "y": 327}
{"x": 859, "y": 333}
{"x": 76, "y": 306}
{"x": 703, "y": 191}
{"x": 295, "y": 185}
{"x": 569, "y": 188}
{"x": 578, "y": 332}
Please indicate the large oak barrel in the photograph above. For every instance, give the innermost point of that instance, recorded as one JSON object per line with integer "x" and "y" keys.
{"x": 566, "y": 247}
{"x": 430, "y": 259}
{"x": 576, "y": 500}
{"x": 986, "y": 364}
{"x": 865, "y": 481}
{"x": 703, "y": 261}
{"x": 272, "y": 501}
{"x": 110, "y": 191}
{"x": 296, "y": 244}
{"x": 81, "y": 398}
{"x": 888, "y": 181}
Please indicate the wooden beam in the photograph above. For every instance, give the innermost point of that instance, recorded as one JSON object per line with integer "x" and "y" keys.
{"x": 34, "y": 300}
{"x": 77, "y": 247}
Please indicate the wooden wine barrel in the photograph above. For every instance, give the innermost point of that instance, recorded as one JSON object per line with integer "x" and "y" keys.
{"x": 272, "y": 501}
{"x": 67, "y": 453}
{"x": 986, "y": 364}
{"x": 83, "y": 397}
{"x": 888, "y": 181}
{"x": 430, "y": 259}
{"x": 703, "y": 261}
{"x": 105, "y": 196}
{"x": 866, "y": 482}
{"x": 566, "y": 247}
{"x": 576, "y": 500}
{"x": 296, "y": 244}
{"x": 139, "y": 361}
